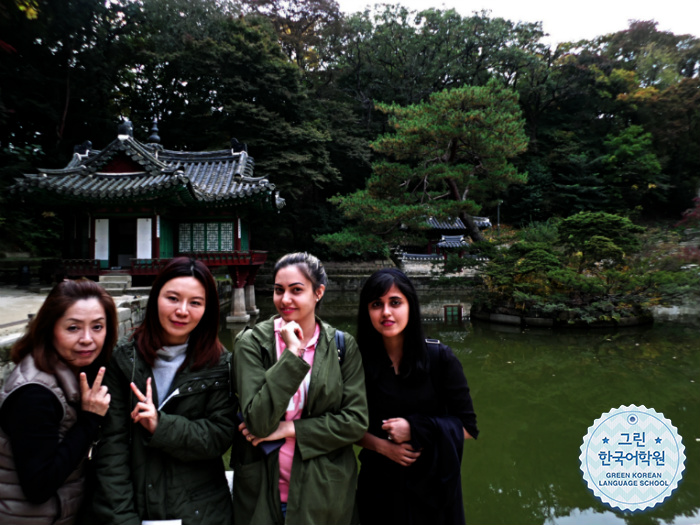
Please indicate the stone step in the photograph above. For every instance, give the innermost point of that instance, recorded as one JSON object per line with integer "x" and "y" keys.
{"x": 115, "y": 279}
{"x": 113, "y": 286}
{"x": 115, "y": 293}
{"x": 141, "y": 291}
{"x": 114, "y": 289}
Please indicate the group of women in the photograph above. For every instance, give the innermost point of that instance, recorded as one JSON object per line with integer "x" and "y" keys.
{"x": 96, "y": 431}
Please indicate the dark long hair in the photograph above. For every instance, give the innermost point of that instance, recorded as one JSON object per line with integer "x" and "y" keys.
{"x": 414, "y": 362}
{"x": 309, "y": 265}
{"x": 204, "y": 347}
{"x": 38, "y": 339}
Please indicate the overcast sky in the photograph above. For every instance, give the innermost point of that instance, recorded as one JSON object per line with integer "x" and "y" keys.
{"x": 567, "y": 20}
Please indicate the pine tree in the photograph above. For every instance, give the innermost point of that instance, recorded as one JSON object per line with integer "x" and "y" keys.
{"x": 447, "y": 157}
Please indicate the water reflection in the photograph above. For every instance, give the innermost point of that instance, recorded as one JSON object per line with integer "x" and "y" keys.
{"x": 536, "y": 392}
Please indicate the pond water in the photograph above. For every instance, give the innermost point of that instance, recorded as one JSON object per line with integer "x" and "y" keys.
{"x": 536, "y": 392}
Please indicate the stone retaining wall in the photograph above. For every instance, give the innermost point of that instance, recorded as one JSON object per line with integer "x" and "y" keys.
{"x": 350, "y": 276}
{"x": 342, "y": 276}
{"x": 547, "y": 322}
{"x": 427, "y": 269}
{"x": 357, "y": 268}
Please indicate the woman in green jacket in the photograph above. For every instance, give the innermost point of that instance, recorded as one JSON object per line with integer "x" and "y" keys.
{"x": 172, "y": 414}
{"x": 303, "y": 404}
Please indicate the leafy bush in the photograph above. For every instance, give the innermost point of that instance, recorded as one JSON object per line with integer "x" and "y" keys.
{"x": 597, "y": 268}
{"x": 349, "y": 244}
{"x": 546, "y": 231}
{"x": 574, "y": 231}
{"x": 25, "y": 228}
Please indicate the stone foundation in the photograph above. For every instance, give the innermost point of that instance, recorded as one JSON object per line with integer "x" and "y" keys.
{"x": 513, "y": 317}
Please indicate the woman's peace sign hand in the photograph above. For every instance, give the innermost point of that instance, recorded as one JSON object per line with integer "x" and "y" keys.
{"x": 145, "y": 411}
{"x": 94, "y": 399}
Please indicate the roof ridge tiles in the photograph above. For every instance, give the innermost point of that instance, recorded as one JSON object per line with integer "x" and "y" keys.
{"x": 62, "y": 171}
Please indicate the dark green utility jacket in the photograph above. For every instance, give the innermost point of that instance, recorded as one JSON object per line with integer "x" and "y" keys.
{"x": 177, "y": 473}
{"x": 324, "y": 468}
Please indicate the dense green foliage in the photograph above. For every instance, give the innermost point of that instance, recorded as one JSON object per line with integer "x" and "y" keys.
{"x": 611, "y": 124}
{"x": 447, "y": 156}
{"x": 23, "y": 227}
{"x": 598, "y": 267}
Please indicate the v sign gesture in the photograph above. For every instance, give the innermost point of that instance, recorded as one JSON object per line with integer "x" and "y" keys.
{"x": 145, "y": 411}
{"x": 94, "y": 399}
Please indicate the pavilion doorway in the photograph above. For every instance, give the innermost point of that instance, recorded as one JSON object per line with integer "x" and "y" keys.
{"x": 122, "y": 242}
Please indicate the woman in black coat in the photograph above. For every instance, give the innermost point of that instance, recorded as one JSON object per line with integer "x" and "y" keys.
{"x": 420, "y": 412}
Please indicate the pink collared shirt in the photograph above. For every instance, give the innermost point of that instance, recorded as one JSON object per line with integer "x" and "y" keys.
{"x": 295, "y": 407}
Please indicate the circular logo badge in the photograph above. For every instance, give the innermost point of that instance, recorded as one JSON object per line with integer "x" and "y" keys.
{"x": 632, "y": 458}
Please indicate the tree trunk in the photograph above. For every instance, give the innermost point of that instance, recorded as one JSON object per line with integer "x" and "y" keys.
{"x": 472, "y": 229}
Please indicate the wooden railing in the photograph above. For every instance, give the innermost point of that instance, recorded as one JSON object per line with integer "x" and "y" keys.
{"x": 147, "y": 266}
{"x": 252, "y": 257}
{"x": 81, "y": 267}
{"x": 249, "y": 258}
{"x": 91, "y": 267}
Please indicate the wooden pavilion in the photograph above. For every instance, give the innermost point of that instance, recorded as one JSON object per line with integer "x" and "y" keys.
{"x": 132, "y": 206}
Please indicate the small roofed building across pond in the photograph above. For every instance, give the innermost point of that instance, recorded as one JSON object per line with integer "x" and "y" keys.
{"x": 443, "y": 238}
{"x": 130, "y": 207}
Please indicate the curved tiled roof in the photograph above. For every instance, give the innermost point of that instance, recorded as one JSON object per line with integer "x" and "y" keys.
{"x": 452, "y": 241}
{"x": 482, "y": 222}
{"x": 212, "y": 178}
{"x": 420, "y": 257}
{"x": 457, "y": 224}
{"x": 450, "y": 224}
